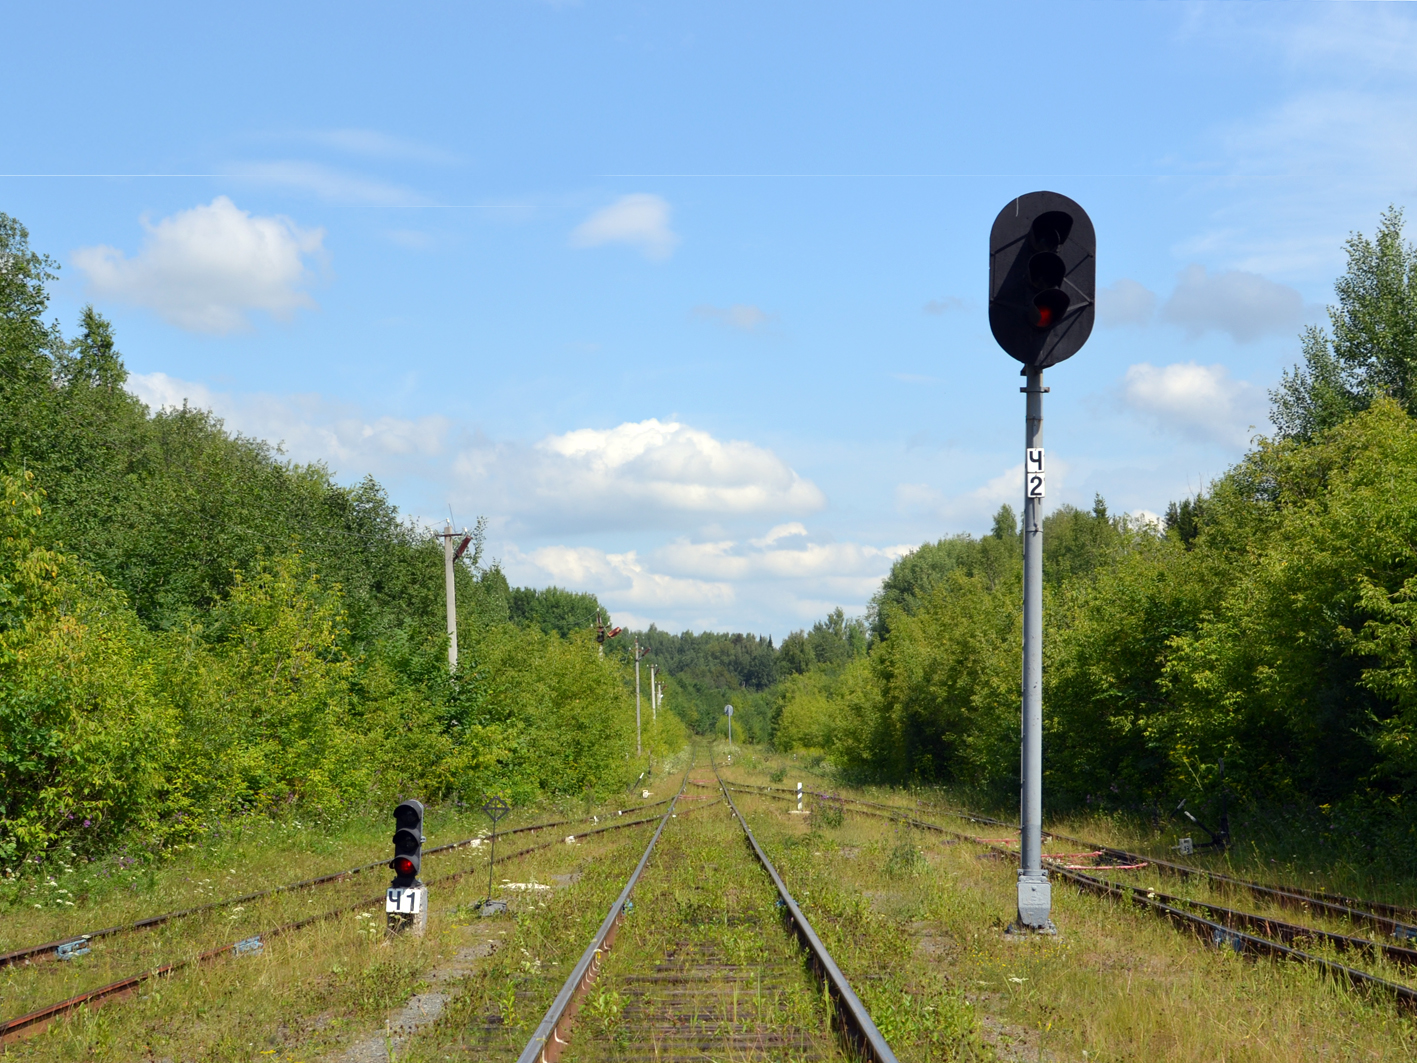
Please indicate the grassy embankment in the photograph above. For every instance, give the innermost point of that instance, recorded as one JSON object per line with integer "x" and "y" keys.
{"x": 1116, "y": 984}
{"x": 306, "y": 994}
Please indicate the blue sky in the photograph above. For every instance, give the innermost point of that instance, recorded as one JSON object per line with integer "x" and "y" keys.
{"x": 689, "y": 299}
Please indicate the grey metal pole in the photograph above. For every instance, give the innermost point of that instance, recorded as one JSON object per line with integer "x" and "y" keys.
{"x": 1034, "y": 891}
{"x": 638, "y": 751}
{"x": 448, "y": 568}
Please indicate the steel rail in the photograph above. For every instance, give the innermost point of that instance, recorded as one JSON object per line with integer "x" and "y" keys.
{"x": 1393, "y": 919}
{"x": 32, "y": 952}
{"x": 860, "y": 1029}
{"x": 36, "y": 1021}
{"x": 1216, "y": 933}
{"x": 1243, "y": 943}
{"x": 546, "y": 1043}
{"x": 1275, "y": 928}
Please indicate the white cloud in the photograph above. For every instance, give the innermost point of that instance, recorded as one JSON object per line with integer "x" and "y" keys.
{"x": 975, "y": 507}
{"x": 693, "y": 582}
{"x": 781, "y": 531}
{"x": 1125, "y": 303}
{"x": 1202, "y": 402}
{"x": 372, "y": 143}
{"x": 1245, "y": 305}
{"x": 1344, "y": 154}
{"x": 946, "y": 305}
{"x": 640, "y": 219}
{"x": 324, "y": 181}
{"x": 624, "y": 578}
{"x": 309, "y": 427}
{"x": 742, "y": 316}
{"x": 549, "y": 501}
{"x": 206, "y": 269}
{"x": 636, "y": 472}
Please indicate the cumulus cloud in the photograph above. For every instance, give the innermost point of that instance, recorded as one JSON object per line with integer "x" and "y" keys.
{"x": 640, "y": 220}
{"x": 1199, "y": 401}
{"x": 781, "y": 531}
{"x": 207, "y": 269}
{"x": 1245, "y": 305}
{"x": 974, "y": 507}
{"x": 624, "y": 578}
{"x": 696, "y": 580}
{"x": 743, "y": 316}
{"x": 634, "y": 472}
{"x": 1125, "y": 302}
{"x": 725, "y": 559}
{"x": 310, "y": 428}
{"x": 548, "y": 502}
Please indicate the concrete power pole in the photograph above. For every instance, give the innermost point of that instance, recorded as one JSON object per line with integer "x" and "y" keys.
{"x": 653, "y": 695}
{"x": 449, "y": 567}
{"x": 639, "y": 655}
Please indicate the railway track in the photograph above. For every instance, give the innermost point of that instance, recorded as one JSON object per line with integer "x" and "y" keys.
{"x": 39, "y": 1019}
{"x": 700, "y": 964}
{"x": 49, "y": 949}
{"x": 1246, "y": 933}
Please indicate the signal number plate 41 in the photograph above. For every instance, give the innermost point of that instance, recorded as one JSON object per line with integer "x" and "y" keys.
{"x": 404, "y": 901}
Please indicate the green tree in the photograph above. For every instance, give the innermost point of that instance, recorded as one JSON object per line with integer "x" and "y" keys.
{"x": 1372, "y": 348}
{"x": 913, "y": 577}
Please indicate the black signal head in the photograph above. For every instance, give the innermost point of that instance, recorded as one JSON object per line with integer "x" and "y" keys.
{"x": 409, "y": 815}
{"x": 1042, "y": 278}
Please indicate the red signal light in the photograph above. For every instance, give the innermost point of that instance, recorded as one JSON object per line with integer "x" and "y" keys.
{"x": 403, "y": 866}
{"x": 1049, "y": 307}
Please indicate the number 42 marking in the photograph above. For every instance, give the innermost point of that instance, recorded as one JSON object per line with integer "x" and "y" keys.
{"x": 1033, "y": 475}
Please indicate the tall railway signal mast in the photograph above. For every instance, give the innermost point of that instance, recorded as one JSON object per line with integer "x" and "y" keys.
{"x": 1042, "y": 306}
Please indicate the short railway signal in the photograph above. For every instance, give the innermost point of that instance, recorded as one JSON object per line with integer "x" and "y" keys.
{"x": 406, "y": 904}
{"x": 1042, "y": 306}
{"x": 408, "y": 843}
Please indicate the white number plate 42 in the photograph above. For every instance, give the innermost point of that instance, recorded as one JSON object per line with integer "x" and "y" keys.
{"x": 404, "y": 901}
{"x": 1033, "y": 474}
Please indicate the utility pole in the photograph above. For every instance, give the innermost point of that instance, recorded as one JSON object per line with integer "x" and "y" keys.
{"x": 449, "y": 563}
{"x": 639, "y": 656}
{"x": 451, "y": 556}
{"x": 653, "y": 696}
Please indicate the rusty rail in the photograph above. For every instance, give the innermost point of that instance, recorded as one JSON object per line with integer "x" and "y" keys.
{"x": 547, "y": 1044}
{"x": 858, "y": 1026}
{"x": 33, "y": 952}
{"x": 36, "y": 1021}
